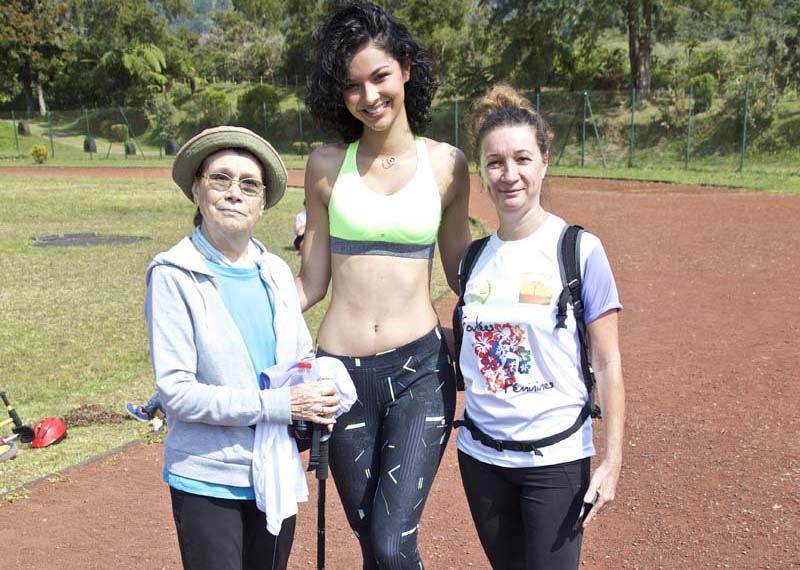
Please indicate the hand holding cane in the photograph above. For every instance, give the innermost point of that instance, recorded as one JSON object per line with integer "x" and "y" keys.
{"x": 319, "y": 462}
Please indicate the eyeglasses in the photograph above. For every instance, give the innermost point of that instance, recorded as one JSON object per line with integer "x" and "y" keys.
{"x": 221, "y": 182}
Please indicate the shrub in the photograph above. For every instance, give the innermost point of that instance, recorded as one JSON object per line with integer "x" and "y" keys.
{"x": 104, "y": 128}
{"x": 316, "y": 144}
{"x": 662, "y": 73}
{"x": 300, "y": 147}
{"x": 180, "y": 94}
{"x": 772, "y": 142}
{"x": 780, "y": 138}
{"x": 213, "y": 107}
{"x": 101, "y": 120}
{"x": 164, "y": 117}
{"x": 602, "y": 69}
{"x": 715, "y": 61}
{"x": 705, "y": 86}
{"x": 119, "y": 133}
{"x": 254, "y": 103}
{"x": 39, "y": 153}
{"x": 763, "y": 102}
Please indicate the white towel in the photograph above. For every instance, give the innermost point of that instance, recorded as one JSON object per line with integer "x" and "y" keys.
{"x": 278, "y": 476}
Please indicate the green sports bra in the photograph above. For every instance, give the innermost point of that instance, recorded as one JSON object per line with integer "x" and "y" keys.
{"x": 403, "y": 224}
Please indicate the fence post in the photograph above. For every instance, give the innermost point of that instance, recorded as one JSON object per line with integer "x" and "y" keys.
{"x": 16, "y": 135}
{"x": 456, "y": 123}
{"x": 86, "y": 120}
{"x": 50, "y": 133}
{"x": 300, "y": 122}
{"x": 264, "y": 115}
{"x": 689, "y": 126}
{"x": 744, "y": 122}
{"x": 596, "y": 132}
{"x": 88, "y": 132}
{"x": 633, "y": 129}
{"x": 583, "y": 130}
{"x": 538, "y": 97}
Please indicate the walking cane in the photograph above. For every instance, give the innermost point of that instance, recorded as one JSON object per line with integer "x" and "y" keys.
{"x": 318, "y": 461}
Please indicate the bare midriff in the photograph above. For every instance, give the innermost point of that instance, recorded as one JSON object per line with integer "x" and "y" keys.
{"x": 377, "y": 303}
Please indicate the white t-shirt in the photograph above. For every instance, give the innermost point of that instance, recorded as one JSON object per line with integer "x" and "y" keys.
{"x": 523, "y": 376}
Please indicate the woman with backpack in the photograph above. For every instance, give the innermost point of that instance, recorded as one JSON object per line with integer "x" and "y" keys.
{"x": 376, "y": 205}
{"x": 525, "y": 446}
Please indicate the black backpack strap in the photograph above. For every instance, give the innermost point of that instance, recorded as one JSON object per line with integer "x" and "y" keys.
{"x": 569, "y": 261}
{"x": 523, "y": 446}
{"x": 464, "y": 270}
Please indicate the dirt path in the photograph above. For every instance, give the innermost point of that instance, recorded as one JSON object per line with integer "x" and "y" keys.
{"x": 712, "y": 467}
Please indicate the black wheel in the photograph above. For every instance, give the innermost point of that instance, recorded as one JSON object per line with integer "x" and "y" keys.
{"x": 8, "y": 451}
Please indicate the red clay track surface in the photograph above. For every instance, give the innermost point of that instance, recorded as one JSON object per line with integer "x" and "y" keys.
{"x": 711, "y": 470}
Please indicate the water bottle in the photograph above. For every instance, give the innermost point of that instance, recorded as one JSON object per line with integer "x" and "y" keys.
{"x": 299, "y": 429}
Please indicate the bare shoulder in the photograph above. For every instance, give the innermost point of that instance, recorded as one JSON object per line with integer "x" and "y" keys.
{"x": 444, "y": 156}
{"x": 323, "y": 166}
{"x": 449, "y": 165}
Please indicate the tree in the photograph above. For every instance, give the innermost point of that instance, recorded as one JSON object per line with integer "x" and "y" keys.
{"x": 32, "y": 36}
{"x": 544, "y": 38}
{"x": 438, "y": 25}
{"x": 474, "y": 56}
{"x": 125, "y": 52}
{"x": 236, "y": 48}
{"x": 301, "y": 19}
{"x": 263, "y": 13}
{"x": 144, "y": 65}
{"x": 639, "y": 21}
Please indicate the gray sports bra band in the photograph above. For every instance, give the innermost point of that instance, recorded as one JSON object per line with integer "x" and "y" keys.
{"x": 358, "y": 247}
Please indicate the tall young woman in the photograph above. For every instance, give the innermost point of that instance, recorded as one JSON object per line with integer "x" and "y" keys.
{"x": 376, "y": 205}
{"x": 524, "y": 386}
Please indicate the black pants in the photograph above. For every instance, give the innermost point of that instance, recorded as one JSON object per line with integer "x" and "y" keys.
{"x": 526, "y": 517}
{"x": 386, "y": 450}
{"x": 227, "y": 534}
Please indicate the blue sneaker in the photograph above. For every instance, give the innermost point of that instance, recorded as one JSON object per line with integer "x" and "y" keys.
{"x": 137, "y": 412}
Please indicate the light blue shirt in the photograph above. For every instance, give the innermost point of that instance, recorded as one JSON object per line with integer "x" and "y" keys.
{"x": 247, "y": 300}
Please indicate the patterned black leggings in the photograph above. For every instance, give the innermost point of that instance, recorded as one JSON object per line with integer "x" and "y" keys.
{"x": 385, "y": 451}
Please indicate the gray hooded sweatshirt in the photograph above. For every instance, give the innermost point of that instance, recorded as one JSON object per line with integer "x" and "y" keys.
{"x": 204, "y": 375}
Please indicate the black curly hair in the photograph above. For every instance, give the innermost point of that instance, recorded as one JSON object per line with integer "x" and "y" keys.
{"x": 346, "y": 30}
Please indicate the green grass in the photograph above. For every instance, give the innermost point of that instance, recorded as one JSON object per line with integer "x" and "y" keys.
{"x": 768, "y": 180}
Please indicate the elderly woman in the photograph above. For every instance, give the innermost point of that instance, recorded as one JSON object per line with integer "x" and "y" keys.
{"x": 220, "y": 309}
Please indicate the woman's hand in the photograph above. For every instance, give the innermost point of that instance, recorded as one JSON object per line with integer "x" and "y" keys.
{"x": 602, "y": 488}
{"x": 314, "y": 402}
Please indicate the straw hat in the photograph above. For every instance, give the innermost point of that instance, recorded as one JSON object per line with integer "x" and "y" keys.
{"x": 192, "y": 154}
